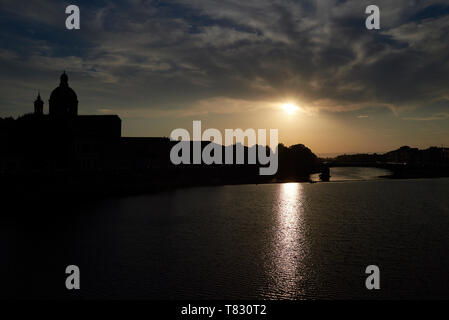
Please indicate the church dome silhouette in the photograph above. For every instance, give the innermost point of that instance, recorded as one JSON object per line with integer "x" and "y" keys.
{"x": 63, "y": 99}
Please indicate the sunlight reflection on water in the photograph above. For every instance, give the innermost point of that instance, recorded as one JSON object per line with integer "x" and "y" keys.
{"x": 288, "y": 241}
{"x": 271, "y": 241}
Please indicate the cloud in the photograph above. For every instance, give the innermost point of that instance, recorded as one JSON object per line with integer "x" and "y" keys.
{"x": 174, "y": 56}
{"x": 438, "y": 116}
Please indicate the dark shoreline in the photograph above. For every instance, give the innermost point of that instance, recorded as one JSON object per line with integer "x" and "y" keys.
{"x": 79, "y": 191}
{"x": 90, "y": 189}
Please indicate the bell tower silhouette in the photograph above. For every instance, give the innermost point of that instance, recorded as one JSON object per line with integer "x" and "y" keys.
{"x": 38, "y": 105}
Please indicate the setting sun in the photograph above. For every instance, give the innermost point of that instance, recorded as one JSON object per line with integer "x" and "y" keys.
{"x": 290, "y": 108}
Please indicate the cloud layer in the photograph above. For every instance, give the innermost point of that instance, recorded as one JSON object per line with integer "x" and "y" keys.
{"x": 147, "y": 58}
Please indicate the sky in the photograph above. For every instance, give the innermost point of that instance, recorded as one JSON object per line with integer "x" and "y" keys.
{"x": 233, "y": 64}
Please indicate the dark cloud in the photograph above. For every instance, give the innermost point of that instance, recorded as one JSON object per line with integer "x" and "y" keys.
{"x": 169, "y": 55}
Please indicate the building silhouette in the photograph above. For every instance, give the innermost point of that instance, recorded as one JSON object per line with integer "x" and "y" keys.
{"x": 63, "y": 141}
{"x": 38, "y": 105}
{"x": 63, "y": 100}
{"x": 62, "y": 150}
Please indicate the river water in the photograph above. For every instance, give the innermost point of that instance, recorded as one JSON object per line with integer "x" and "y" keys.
{"x": 271, "y": 241}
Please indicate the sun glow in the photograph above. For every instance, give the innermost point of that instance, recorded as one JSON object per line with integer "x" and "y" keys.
{"x": 290, "y": 108}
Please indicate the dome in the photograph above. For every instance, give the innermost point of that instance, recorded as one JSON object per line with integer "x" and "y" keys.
{"x": 63, "y": 99}
{"x": 63, "y": 94}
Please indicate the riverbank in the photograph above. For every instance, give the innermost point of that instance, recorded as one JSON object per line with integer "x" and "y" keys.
{"x": 92, "y": 187}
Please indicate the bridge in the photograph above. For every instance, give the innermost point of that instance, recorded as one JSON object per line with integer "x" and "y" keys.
{"x": 392, "y": 166}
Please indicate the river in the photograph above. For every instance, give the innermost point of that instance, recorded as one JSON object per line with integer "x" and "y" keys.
{"x": 270, "y": 241}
